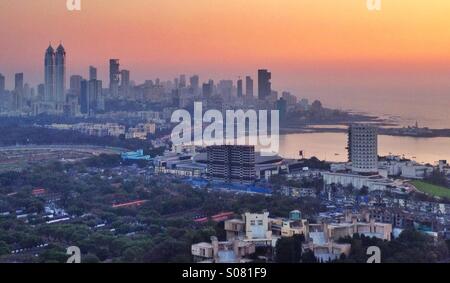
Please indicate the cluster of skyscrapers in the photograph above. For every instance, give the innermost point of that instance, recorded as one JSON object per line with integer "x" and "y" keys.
{"x": 89, "y": 96}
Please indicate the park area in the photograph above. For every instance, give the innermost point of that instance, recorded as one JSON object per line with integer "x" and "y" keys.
{"x": 437, "y": 191}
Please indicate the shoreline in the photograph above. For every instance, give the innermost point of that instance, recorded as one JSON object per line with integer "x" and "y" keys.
{"x": 431, "y": 133}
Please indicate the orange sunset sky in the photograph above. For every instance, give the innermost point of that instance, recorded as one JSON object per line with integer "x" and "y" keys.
{"x": 306, "y": 43}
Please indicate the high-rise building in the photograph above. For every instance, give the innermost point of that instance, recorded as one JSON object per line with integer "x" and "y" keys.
{"x": 290, "y": 99}
{"x": 75, "y": 85}
{"x": 231, "y": 163}
{"x": 264, "y": 84}
{"x": 363, "y": 148}
{"x": 225, "y": 88}
{"x": 84, "y": 97}
{"x": 60, "y": 77}
{"x": 18, "y": 82}
{"x": 95, "y": 96}
{"x": 208, "y": 88}
{"x": 194, "y": 82}
{"x": 41, "y": 92}
{"x": 125, "y": 78}
{"x": 49, "y": 81}
{"x": 282, "y": 108}
{"x": 125, "y": 83}
{"x": 239, "y": 88}
{"x": 114, "y": 77}
{"x": 182, "y": 81}
{"x": 92, "y": 73}
{"x": 2, "y": 84}
{"x": 248, "y": 86}
{"x": 18, "y": 93}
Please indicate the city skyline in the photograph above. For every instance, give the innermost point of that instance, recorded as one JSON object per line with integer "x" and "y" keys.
{"x": 386, "y": 63}
{"x": 287, "y": 37}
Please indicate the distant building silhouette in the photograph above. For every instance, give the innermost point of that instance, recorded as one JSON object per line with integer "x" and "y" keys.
{"x": 92, "y": 73}
{"x": 18, "y": 82}
{"x": 208, "y": 89}
{"x": 60, "y": 77}
{"x": 239, "y": 88}
{"x": 248, "y": 86}
{"x": 114, "y": 77}
{"x": 195, "y": 83}
{"x": 264, "y": 84}
{"x": 2, "y": 84}
{"x": 84, "y": 97}
{"x": 18, "y": 92}
{"x": 282, "y": 108}
{"x": 125, "y": 78}
{"x": 75, "y": 85}
{"x": 125, "y": 83}
{"x": 49, "y": 82}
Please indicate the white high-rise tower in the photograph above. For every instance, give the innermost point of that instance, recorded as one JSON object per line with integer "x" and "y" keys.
{"x": 363, "y": 148}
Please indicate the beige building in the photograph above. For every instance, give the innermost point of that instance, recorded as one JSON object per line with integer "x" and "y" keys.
{"x": 233, "y": 251}
{"x": 235, "y": 229}
{"x": 253, "y": 227}
{"x": 289, "y": 227}
{"x": 257, "y": 226}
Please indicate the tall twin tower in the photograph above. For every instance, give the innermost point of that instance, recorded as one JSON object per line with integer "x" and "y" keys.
{"x": 55, "y": 77}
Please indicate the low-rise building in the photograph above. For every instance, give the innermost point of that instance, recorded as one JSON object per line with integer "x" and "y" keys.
{"x": 371, "y": 181}
{"x": 233, "y": 251}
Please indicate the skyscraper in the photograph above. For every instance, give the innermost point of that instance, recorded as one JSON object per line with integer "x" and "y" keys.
{"x": 18, "y": 82}
{"x": 75, "y": 85}
{"x": 41, "y": 91}
{"x": 363, "y": 148}
{"x": 182, "y": 81}
{"x": 264, "y": 85}
{"x": 49, "y": 83}
{"x": 18, "y": 91}
{"x": 60, "y": 77}
{"x": 114, "y": 77}
{"x": 125, "y": 78}
{"x": 225, "y": 88}
{"x": 282, "y": 108}
{"x": 84, "y": 97}
{"x": 92, "y": 73}
{"x": 208, "y": 88}
{"x": 2, "y": 84}
{"x": 239, "y": 88}
{"x": 125, "y": 83}
{"x": 194, "y": 82}
{"x": 94, "y": 90}
{"x": 248, "y": 86}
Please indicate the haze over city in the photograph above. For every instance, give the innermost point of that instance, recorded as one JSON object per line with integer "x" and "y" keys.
{"x": 333, "y": 50}
{"x": 222, "y": 38}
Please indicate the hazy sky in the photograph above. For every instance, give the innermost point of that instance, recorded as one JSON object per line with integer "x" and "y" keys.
{"x": 312, "y": 46}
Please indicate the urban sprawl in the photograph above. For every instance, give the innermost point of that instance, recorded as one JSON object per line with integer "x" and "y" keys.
{"x": 94, "y": 167}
